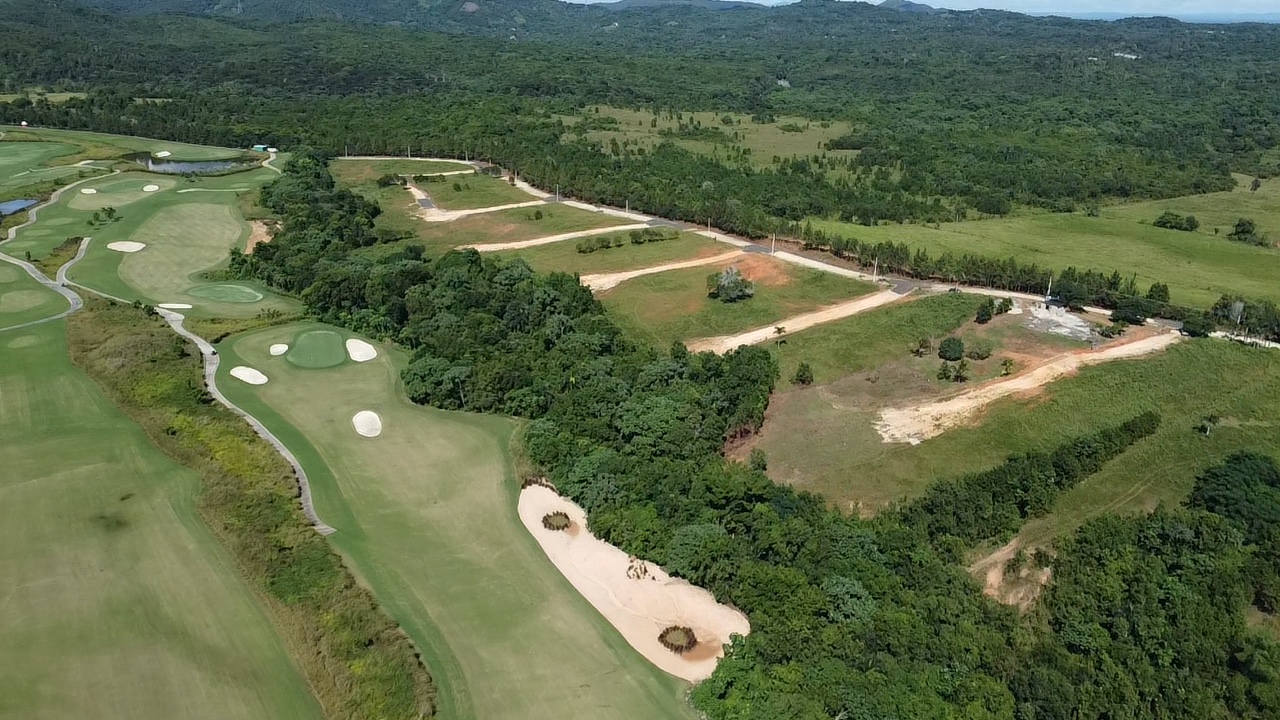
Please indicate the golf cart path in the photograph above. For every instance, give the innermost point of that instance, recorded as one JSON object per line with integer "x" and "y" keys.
{"x": 921, "y": 422}
{"x": 607, "y": 281}
{"x": 796, "y": 323}
{"x": 521, "y": 244}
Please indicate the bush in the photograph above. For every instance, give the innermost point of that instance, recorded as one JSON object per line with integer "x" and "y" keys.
{"x": 979, "y": 350}
{"x": 390, "y": 179}
{"x": 758, "y": 460}
{"x": 986, "y": 311}
{"x": 951, "y": 349}
{"x": 729, "y": 286}
{"x": 1174, "y": 221}
{"x": 1197, "y": 325}
{"x": 803, "y": 375}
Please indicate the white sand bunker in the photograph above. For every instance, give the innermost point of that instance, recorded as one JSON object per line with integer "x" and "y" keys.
{"x": 174, "y": 306}
{"x": 636, "y": 597}
{"x": 249, "y": 375}
{"x": 126, "y": 246}
{"x": 279, "y": 349}
{"x": 150, "y": 188}
{"x": 361, "y": 351}
{"x": 163, "y": 153}
{"x": 88, "y": 191}
{"x": 367, "y": 423}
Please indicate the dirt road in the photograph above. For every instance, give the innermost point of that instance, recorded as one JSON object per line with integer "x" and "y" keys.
{"x": 521, "y": 244}
{"x": 914, "y": 424}
{"x": 606, "y": 281}
{"x": 796, "y": 323}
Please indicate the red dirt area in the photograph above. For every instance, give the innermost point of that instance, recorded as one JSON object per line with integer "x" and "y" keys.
{"x": 763, "y": 270}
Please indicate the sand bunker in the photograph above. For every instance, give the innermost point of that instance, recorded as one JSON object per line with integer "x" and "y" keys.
{"x": 636, "y": 597}
{"x": 360, "y": 351}
{"x": 249, "y": 375}
{"x": 367, "y": 423}
{"x": 89, "y": 191}
{"x": 163, "y": 153}
{"x": 279, "y": 349}
{"x": 725, "y": 343}
{"x": 150, "y": 188}
{"x": 174, "y": 306}
{"x": 922, "y": 422}
{"x": 126, "y": 246}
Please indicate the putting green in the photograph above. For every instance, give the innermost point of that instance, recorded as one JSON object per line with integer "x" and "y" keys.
{"x": 226, "y": 293}
{"x": 317, "y": 349}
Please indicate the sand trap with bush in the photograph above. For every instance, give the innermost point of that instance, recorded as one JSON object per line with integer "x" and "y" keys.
{"x": 914, "y": 424}
{"x": 636, "y": 597}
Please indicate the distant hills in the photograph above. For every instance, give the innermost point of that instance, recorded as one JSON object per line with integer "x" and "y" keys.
{"x": 908, "y": 6}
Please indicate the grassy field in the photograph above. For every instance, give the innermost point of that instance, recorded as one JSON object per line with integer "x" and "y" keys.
{"x": 670, "y": 306}
{"x": 822, "y": 438}
{"x": 761, "y": 141}
{"x": 22, "y": 300}
{"x": 354, "y": 172}
{"x": 468, "y": 192}
{"x": 41, "y": 94}
{"x": 426, "y": 513}
{"x": 189, "y": 226}
{"x": 99, "y": 146}
{"x": 26, "y": 164}
{"x": 564, "y": 256}
{"x": 117, "y": 601}
{"x": 1199, "y": 267}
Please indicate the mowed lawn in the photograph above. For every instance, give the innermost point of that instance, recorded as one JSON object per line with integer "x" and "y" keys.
{"x": 100, "y": 146}
{"x": 673, "y": 306}
{"x": 822, "y": 438}
{"x": 352, "y": 172}
{"x": 189, "y": 227}
{"x": 22, "y": 300}
{"x": 426, "y": 512}
{"x": 30, "y": 163}
{"x": 564, "y": 256}
{"x": 1199, "y": 267}
{"x": 116, "y": 600}
{"x": 467, "y": 192}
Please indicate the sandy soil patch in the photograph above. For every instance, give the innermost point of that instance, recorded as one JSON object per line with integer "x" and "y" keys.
{"x": 636, "y": 597}
{"x": 175, "y": 306}
{"x": 249, "y": 375}
{"x": 914, "y": 424}
{"x": 608, "y": 281}
{"x": 150, "y": 188}
{"x": 763, "y": 270}
{"x": 360, "y": 351}
{"x": 259, "y": 234}
{"x": 279, "y": 349}
{"x": 126, "y": 246}
{"x": 1058, "y": 321}
{"x": 367, "y": 423}
{"x": 88, "y": 191}
{"x": 1020, "y": 590}
{"x": 796, "y": 323}
{"x": 495, "y": 247}
{"x": 163, "y": 154}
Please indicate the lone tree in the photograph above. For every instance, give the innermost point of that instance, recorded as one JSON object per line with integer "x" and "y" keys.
{"x": 729, "y": 286}
{"x": 1246, "y": 231}
{"x": 986, "y": 311}
{"x": 803, "y": 376}
{"x": 1159, "y": 292}
{"x": 951, "y": 349}
{"x": 1257, "y": 183}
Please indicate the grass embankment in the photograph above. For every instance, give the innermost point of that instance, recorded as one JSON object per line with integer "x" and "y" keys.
{"x": 1199, "y": 267}
{"x": 117, "y": 601}
{"x": 663, "y": 308}
{"x": 822, "y": 438}
{"x": 58, "y": 257}
{"x": 426, "y": 512}
{"x": 358, "y": 662}
{"x": 564, "y": 256}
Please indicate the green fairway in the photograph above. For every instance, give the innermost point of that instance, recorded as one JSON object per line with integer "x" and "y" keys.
{"x": 22, "y": 300}
{"x": 564, "y": 256}
{"x": 426, "y": 512}
{"x": 100, "y": 146}
{"x": 117, "y": 601}
{"x": 1199, "y": 267}
{"x": 23, "y": 164}
{"x": 665, "y": 307}
{"x": 186, "y": 232}
{"x": 465, "y": 192}
{"x": 317, "y": 349}
{"x": 359, "y": 171}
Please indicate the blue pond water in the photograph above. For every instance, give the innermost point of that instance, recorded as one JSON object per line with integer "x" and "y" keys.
{"x": 183, "y": 167}
{"x": 13, "y": 206}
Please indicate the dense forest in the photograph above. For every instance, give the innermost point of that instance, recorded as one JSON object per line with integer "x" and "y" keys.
{"x": 850, "y": 617}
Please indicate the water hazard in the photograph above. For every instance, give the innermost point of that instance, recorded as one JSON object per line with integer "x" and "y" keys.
{"x": 185, "y": 167}
{"x": 12, "y": 206}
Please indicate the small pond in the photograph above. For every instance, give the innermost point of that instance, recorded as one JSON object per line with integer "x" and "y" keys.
{"x": 12, "y": 206}
{"x": 184, "y": 167}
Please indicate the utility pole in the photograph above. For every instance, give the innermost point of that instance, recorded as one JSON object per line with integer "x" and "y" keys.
{"x": 773, "y": 247}
{"x": 875, "y": 270}
{"x": 1049, "y": 293}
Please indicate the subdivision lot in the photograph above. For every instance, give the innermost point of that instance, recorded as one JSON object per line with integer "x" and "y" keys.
{"x": 467, "y": 192}
{"x": 1199, "y": 267}
{"x": 358, "y": 171}
{"x": 116, "y": 601}
{"x": 565, "y": 257}
{"x": 670, "y": 306}
{"x": 426, "y": 512}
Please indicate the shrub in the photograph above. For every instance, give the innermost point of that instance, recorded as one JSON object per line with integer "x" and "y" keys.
{"x": 986, "y": 311}
{"x": 1174, "y": 221}
{"x": 951, "y": 349}
{"x": 758, "y": 460}
{"x": 803, "y": 375}
{"x": 729, "y": 286}
{"x": 678, "y": 639}
{"x": 979, "y": 350}
{"x": 556, "y": 521}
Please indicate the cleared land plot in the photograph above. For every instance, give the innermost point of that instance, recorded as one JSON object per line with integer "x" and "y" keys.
{"x": 354, "y": 172}
{"x": 98, "y": 146}
{"x": 663, "y": 308}
{"x": 468, "y": 192}
{"x": 1199, "y": 267}
{"x": 117, "y": 601}
{"x": 564, "y": 256}
{"x": 501, "y": 226}
{"x": 186, "y": 236}
{"x": 761, "y": 141}
{"x": 427, "y": 513}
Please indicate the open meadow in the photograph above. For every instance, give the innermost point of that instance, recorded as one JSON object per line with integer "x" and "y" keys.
{"x": 468, "y": 192}
{"x": 117, "y": 600}
{"x": 1199, "y": 267}
{"x": 426, "y": 512}
{"x": 673, "y": 306}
